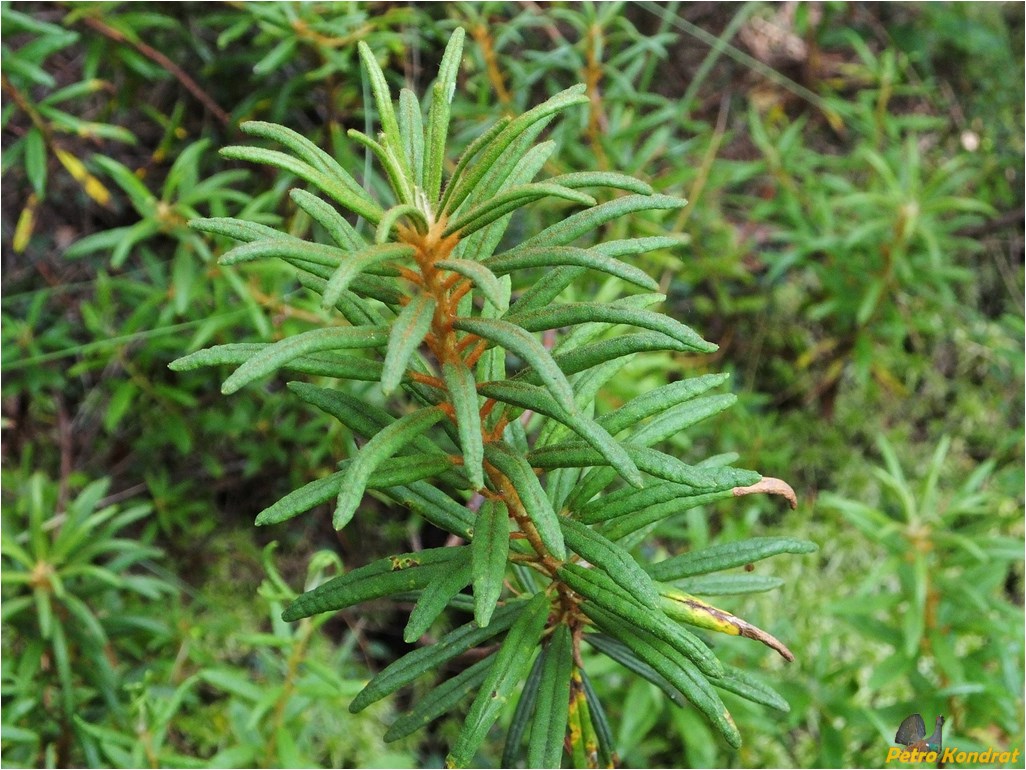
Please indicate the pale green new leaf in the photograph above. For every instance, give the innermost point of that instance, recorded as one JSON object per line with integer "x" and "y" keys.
{"x": 438, "y": 114}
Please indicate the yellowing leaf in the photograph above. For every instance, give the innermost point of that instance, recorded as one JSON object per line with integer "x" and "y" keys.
{"x": 92, "y": 186}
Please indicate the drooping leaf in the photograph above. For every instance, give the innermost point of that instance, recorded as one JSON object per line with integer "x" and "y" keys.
{"x": 613, "y": 559}
{"x": 545, "y": 746}
{"x": 489, "y": 551}
{"x": 338, "y": 191}
{"x": 414, "y": 664}
{"x": 601, "y": 590}
{"x": 440, "y": 700}
{"x": 523, "y": 344}
{"x": 511, "y": 664}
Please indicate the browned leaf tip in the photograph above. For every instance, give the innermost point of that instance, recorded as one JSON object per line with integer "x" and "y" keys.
{"x": 769, "y": 486}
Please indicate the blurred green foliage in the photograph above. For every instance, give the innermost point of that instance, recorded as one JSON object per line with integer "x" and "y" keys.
{"x": 855, "y": 246}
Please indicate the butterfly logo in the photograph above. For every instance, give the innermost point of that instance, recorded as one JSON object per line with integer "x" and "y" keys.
{"x": 912, "y": 733}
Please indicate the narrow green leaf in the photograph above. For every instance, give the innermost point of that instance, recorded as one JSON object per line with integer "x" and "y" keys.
{"x": 280, "y": 353}
{"x": 327, "y": 216}
{"x": 384, "y": 577}
{"x": 393, "y": 472}
{"x": 570, "y": 229}
{"x": 386, "y": 110}
{"x": 603, "y": 732}
{"x": 522, "y": 716}
{"x": 489, "y": 551}
{"x": 511, "y": 664}
{"x": 613, "y": 559}
{"x": 576, "y": 454}
{"x": 440, "y": 700}
{"x": 475, "y": 147}
{"x": 677, "y": 669}
{"x": 408, "y": 331}
{"x": 725, "y": 585}
{"x": 463, "y": 392}
{"x": 547, "y": 257}
{"x": 356, "y": 263}
{"x": 465, "y": 184}
{"x": 623, "y": 655}
{"x": 436, "y": 507}
{"x": 383, "y": 445}
{"x": 600, "y": 589}
{"x": 556, "y": 316}
{"x": 414, "y": 664}
{"x": 392, "y": 165}
{"x": 307, "y": 151}
{"x": 536, "y": 504}
{"x": 482, "y": 277}
{"x": 237, "y": 229}
{"x": 548, "y": 287}
{"x": 659, "y": 400}
{"x": 727, "y": 555}
{"x": 632, "y": 522}
{"x": 436, "y": 595}
{"x": 282, "y": 246}
{"x": 509, "y": 201}
{"x": 523, "y": 344}
{"x": 411, "y": 128}
{"x": 545, "y": 746}
{"x": 624, "y": 501}
{"x": 327, "y": 365}
{"x": 603, "y": 351}
{"x": 539, "y": 400}
{"x": 337, "y": 191}
{"x": 603, "y": 179}
{"x": 438, "y": 114}
{"x": 741, "y": 683}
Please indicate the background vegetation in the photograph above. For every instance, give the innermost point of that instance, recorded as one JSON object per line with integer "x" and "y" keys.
{"x": 855, "y": 246}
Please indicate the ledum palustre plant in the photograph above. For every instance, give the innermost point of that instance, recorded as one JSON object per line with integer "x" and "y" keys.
{"x": 493, "y": 436}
